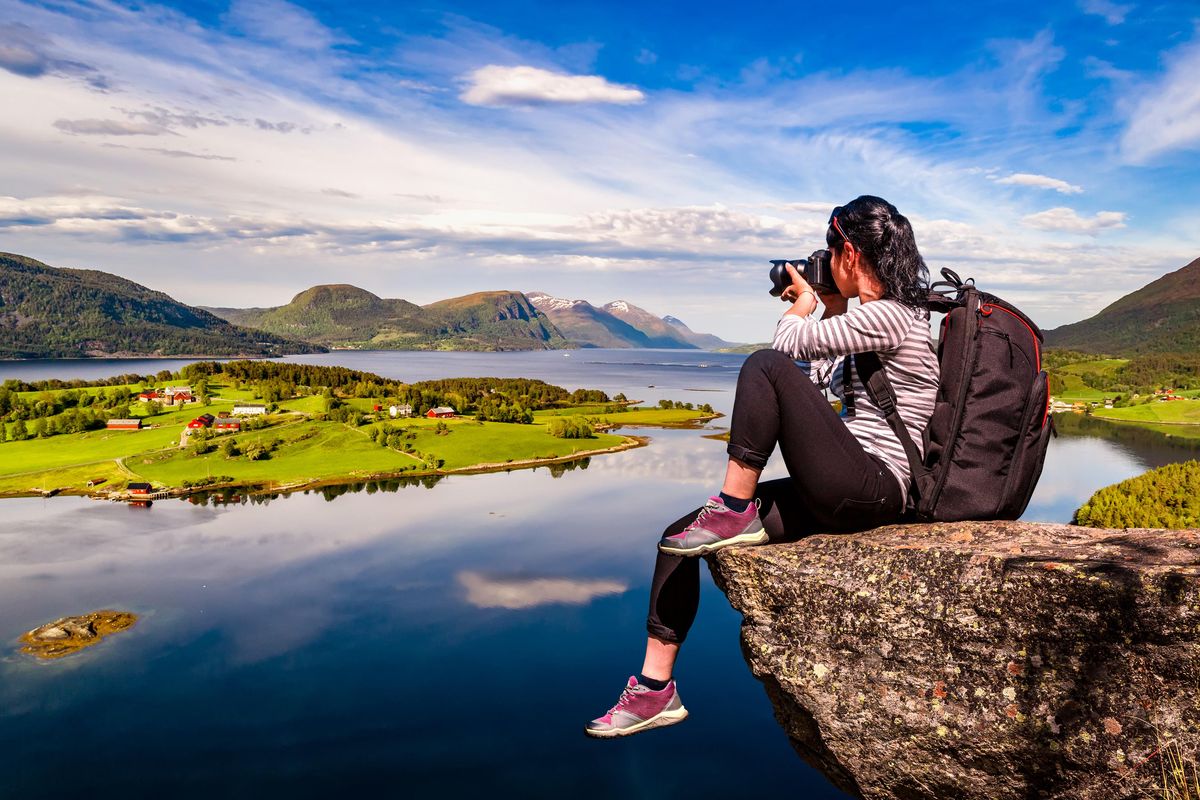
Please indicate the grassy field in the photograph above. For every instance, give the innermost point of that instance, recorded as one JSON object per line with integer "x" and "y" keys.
{"x": 305, "y": 451}
{"x": 1077, "y": 390}
{"x": 1176, "y": 412}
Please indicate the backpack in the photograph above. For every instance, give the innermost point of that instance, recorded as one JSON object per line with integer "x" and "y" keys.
{"x": 986, "y": 440}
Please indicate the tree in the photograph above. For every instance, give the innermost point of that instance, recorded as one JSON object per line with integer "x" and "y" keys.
{"x": 19, "y": 433}
{"x": 229, "y": 448}
{"x": 200, "y": 444}
{"x": 570, "y": 428}
{"x": 256, "y": 451}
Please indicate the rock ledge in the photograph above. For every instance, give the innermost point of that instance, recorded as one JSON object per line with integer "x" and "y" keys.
{"x": 978, "y": 660}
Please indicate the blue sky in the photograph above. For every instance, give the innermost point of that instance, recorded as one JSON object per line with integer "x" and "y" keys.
{"x": 235, "y": 153}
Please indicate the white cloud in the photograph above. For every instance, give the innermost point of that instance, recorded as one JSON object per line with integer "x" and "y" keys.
{"x": 1069, "y": 220}
{"x": 1041, "y": 182}
{"x": 1113, "y": 13}
{"x": 281, "y": 22}
{"x": 520, "y": 593}
{"x": 1166, "y": 116}
{"x": 495, "y": 85}
{"x": 108, "y": 127}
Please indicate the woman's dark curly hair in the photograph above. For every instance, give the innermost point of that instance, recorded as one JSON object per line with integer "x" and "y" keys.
{"x": 885, "y": 237}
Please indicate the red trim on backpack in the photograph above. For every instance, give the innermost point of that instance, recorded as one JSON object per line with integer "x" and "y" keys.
{"x": 1037, "y": 351}
{"x": 1046, "y": 413}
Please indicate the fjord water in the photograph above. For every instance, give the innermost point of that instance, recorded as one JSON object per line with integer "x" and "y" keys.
{"x": 409, "y": 641}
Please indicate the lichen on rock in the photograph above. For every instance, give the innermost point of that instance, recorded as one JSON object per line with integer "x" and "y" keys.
{"x": 72, "y": 634}
{"x": 978, "y": 660}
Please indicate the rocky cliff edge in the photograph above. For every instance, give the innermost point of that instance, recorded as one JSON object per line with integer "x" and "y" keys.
{"x": 979, "y": 660}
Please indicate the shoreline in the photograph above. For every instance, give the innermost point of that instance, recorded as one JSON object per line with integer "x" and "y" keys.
{"x": 255, "y": 488}
{"x": 1145, "y": 421}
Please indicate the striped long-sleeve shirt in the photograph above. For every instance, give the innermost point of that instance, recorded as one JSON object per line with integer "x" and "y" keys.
{"x": 901, "y": 337}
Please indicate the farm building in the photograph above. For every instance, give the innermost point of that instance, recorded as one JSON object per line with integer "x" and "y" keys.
{"x": 146, "y": 397}
{"x": 249, "y": 409}
{"x": 124, "y": 425}
{"x": 202, "y": 421}
{"x": 140, "y": 488}
{"x": 227, "y": 424}
{"x": 441, "y": 412}
{"x": 400, "y": 411}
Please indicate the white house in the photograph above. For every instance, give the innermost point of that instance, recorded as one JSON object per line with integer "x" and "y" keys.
{"x": 400, "y": 411}
{"x": 249, "y": 409}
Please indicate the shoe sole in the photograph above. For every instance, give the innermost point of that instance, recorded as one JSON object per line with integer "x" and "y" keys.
{"x": 660, "y": 720}
{"x": 755, "y": 537}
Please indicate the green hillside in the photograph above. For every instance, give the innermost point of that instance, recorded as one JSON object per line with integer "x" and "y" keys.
{"x": 347, "y": 316}
{"x": 47, "y": 312}
{"x": 1161, "y": 317}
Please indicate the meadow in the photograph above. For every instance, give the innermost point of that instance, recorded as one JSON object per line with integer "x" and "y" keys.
{"x": 302, "y": 449}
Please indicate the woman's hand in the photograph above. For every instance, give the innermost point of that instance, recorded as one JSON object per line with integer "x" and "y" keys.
{"x": 834, "y": 304}
{"x": 800, "y": 294}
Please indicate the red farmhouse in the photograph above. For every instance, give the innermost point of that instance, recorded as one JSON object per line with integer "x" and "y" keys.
{"x": 441, "y": 412}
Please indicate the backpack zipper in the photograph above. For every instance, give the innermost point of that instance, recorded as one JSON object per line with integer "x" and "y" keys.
{"x": 969, "y": 354}
{"x": 986, "y": 310}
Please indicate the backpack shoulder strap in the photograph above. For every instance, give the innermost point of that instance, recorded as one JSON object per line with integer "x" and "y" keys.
{"x": 879, "y": 389}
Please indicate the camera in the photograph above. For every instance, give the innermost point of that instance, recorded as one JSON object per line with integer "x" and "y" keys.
{"x": 815, "y": 270}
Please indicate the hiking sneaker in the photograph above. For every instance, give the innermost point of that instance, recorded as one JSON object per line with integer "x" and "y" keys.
{"x": 639, "y": 708}
{"x": 715, "y": 527}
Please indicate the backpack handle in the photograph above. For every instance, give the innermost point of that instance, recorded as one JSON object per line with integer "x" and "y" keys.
{"x": 940, "y": 292}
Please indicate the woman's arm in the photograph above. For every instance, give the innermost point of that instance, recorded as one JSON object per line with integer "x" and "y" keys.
{"x": 878, "y": 326}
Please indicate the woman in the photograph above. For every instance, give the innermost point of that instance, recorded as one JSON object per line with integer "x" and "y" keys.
{"x": 847, "y": 472}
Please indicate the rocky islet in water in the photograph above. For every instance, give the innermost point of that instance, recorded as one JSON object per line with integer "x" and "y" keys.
{"x": 69, "y": 635}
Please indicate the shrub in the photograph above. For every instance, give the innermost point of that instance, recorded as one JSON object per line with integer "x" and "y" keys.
{"x": 570, "y": 428}
{"x": 1167, "y": 497}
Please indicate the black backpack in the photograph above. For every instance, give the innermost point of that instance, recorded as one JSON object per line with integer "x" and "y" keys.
{"x": 987, "y": 438}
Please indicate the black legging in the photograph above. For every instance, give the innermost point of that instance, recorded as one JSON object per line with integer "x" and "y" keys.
{"x": 834, "y": 485}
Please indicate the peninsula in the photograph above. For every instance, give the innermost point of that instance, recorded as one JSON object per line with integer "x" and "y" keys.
{"x": 270, "y": 427}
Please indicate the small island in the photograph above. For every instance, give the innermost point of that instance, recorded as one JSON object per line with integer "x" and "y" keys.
{"x": 271, "y": 427}
{"x": 69, "y": 635}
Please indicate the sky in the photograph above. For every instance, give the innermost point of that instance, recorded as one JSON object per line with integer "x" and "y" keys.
{"x": 236, "y": 153}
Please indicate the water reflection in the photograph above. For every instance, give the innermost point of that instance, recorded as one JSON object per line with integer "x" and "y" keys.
{"x": 516, "y": 593}
{"x": 309, "y": 647}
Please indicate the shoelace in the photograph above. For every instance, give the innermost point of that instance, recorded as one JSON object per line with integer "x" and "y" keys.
{"x": 622, "y": 701}
{"x": 704, "y": 512}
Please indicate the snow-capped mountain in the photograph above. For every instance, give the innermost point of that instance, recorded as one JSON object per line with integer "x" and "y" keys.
{"x": 618, "y": 324}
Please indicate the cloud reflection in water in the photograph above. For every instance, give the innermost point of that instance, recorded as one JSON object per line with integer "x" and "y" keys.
{"x": 519, "y": 593}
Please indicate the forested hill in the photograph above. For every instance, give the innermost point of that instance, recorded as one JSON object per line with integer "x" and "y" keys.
{"x": 347, "y": 316}
{"x": 47, "y": 312}
{"x": 1161, "y": 317}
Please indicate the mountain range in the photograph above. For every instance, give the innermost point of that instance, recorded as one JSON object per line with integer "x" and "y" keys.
{"x": 340, "y": 315}
{"x": 619, "y": 324}
{"x": 1161, "y": 317}
{"x": 50, "y": 312}
{"x": 46, "y": 312}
